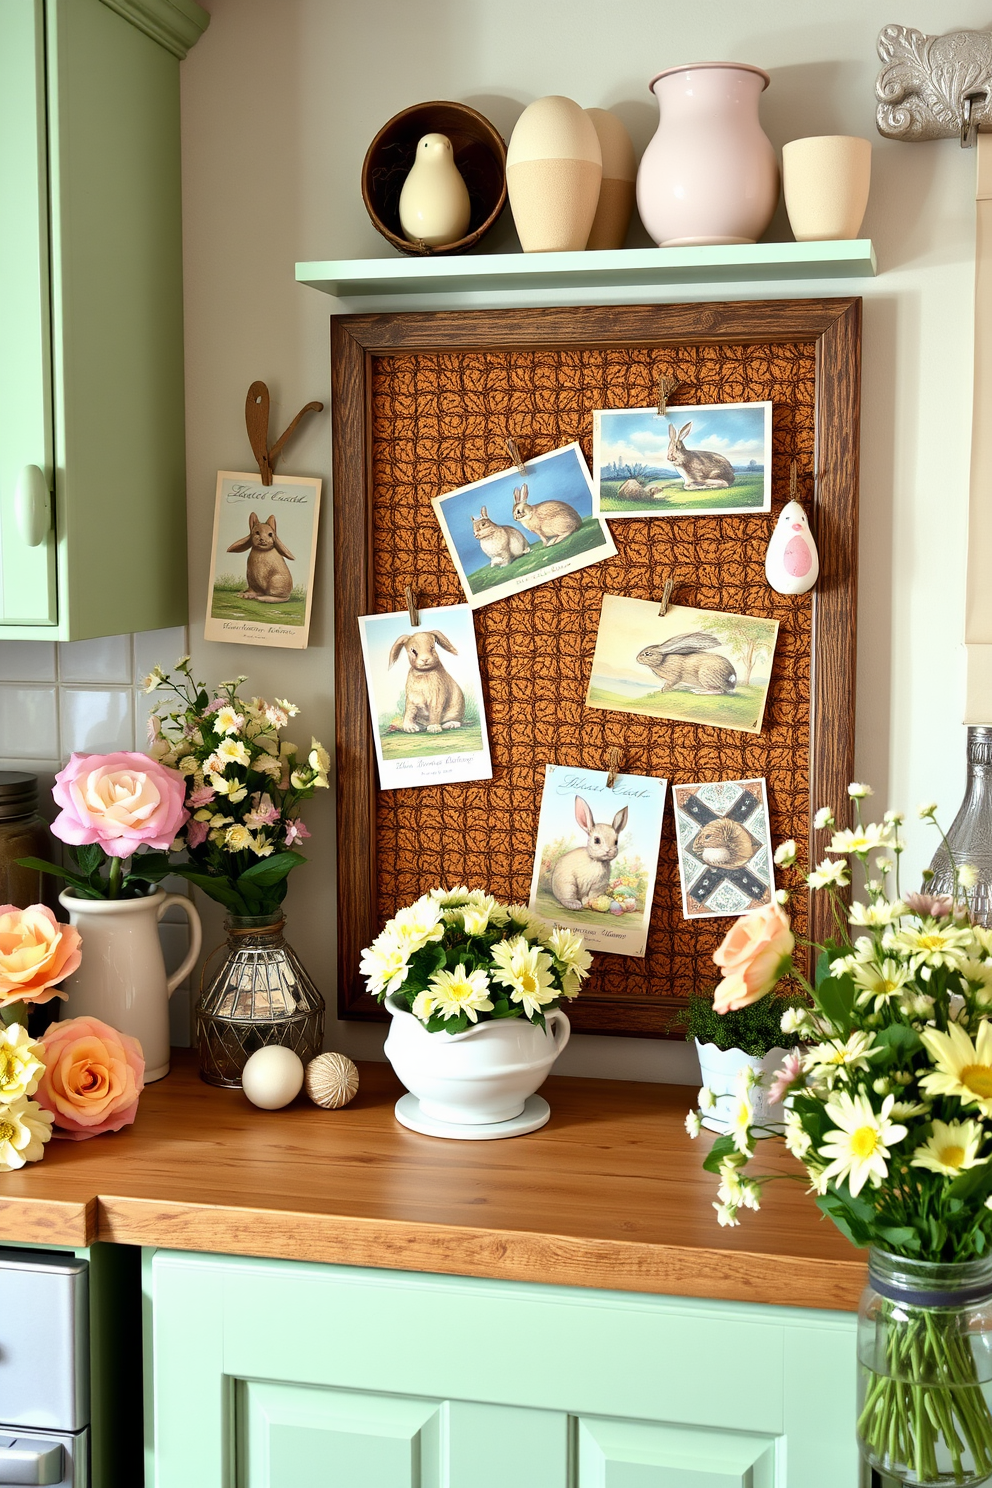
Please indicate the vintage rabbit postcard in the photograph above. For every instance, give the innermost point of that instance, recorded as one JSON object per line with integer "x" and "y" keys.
{"x": 725, "y": 852}
{"x": 697, "y": 666}
{"x": 511, "y": 532}
{"x": 709, "y": 459}
{"x": 262, "y": 560}
{"x": 597, "y": 855}
{"x": 425, "y": 694}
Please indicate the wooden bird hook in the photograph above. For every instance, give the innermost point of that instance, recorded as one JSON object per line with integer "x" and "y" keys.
{"x": 257, "y": 424}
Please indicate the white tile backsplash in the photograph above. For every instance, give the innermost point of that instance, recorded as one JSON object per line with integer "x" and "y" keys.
{"x": 97, "y": 720}
{"x": 158, "y": 647}
{"x": 107, "y": 659}
{"x": 29, "y": 722}
{"x": 27, "y": 661}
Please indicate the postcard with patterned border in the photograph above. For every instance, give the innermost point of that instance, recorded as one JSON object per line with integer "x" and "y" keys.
{"x": 597, "y": 855}
{"x": 725, "y": 850}
{"x": 513, "y": 531}
{"x": 697, "y": 460}
{"x": 425, "y": 694}
{"x": 697, "y": 666}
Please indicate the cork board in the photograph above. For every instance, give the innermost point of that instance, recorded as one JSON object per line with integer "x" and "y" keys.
{"x": 430, "y": 417}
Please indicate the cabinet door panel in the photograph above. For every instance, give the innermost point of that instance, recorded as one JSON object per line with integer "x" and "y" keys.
{"x": 27, "y": 574}
{"x": 299, "y": 1437}
{"x": 488, "y": 1446}
{"x": 637, "y": 1454}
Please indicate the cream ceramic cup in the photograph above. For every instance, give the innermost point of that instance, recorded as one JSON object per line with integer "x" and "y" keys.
{"x": 826, "y": 180}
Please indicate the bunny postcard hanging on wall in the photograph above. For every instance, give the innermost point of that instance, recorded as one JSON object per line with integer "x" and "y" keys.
{"x": 697, "y": 666}
{"x": 262, "y": 560}
{"x": 425, "y": 695}
{"x": 706, "y": 459}
{"x": 597, "y": 855}
{"x": 725, "y": 851}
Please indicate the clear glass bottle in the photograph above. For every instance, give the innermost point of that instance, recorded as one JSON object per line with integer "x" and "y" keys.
{"x": 260, "y": 994}
{"x": 24, "y": 834}
{"x": 970, "y": 835}
{"x": 925, "y": 1371}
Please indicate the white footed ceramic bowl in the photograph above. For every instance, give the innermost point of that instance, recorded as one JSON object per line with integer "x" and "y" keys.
{"x": 480, "y": 1076}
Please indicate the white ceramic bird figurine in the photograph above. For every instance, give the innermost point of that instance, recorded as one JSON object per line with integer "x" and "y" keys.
{"x": 792, "y": 564}
{"x": 434, "y": 204}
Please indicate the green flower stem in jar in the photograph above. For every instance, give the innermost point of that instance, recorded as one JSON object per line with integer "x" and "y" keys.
{"x": 925, "y": 1370}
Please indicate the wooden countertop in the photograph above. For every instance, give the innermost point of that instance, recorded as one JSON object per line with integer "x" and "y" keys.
{"x": 609, "y": 1194}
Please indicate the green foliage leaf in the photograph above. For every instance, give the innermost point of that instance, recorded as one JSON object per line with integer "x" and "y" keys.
{"x": 89, "y": 858}
{"x": 900, "y": 1237}
{"x": 56, "y": 871}
{"x": 835, "y": 997}
{"x": 974, "y": 1184}
{"x": 217, "y": 889}
{"x": 849, "y": 1224}
{"x": 722, "y": 1148}
{"x": 151, "y": 867}
{"x": 900, "y": 1039}
{"x": 831, "y": 952}
{"x": 272, "y": 870}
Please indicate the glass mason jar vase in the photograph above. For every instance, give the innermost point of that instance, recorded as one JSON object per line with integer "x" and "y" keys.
{"x": 260, "y": 994}
{"x": 925, "y": 1370}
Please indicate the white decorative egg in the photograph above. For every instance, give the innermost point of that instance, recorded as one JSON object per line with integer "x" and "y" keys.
{"x": 554, "y": 169}
{"x": 792, "y": 564}
{"x": 272, "y": 1077}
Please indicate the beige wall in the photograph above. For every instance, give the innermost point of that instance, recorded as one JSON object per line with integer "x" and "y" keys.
{"x": 280, "y": 99}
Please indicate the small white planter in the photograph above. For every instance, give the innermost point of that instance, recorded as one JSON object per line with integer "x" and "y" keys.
{"x": 718, "y": 1069}
{"x": 479, "y": 1078}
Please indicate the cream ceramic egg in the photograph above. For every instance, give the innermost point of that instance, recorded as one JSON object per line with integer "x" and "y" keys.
{"x": 792, "y": 564}
{"x": 554, "y": 167}
{"x": 272, "y": 1077}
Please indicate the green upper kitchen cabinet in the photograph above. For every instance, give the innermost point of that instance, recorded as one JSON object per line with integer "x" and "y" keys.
{"x": 92, "y": 462}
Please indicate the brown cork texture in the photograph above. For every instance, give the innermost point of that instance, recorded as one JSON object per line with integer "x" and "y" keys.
{"x": 440, "y": 421}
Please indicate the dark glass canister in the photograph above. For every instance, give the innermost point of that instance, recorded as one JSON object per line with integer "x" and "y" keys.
{"x": 23, "y": 834}
{"x": 259, "y": 994}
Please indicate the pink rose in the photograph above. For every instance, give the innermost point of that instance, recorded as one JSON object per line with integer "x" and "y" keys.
{"x": 752, "y": 958}
{"x": 35, "y": 953}
{"x": 93, "y": 1077}
{"x": 122, "y": 801}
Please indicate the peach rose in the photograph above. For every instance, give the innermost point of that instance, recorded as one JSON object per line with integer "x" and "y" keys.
{"x": 93, "y": 1077}
{"x": 35, "y": 953}
{"x": 755, "y": 953}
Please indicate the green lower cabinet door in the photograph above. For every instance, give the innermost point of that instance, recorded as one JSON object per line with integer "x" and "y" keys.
{"x": 298, "y": 1436}
{"x": 636, "y": 1454}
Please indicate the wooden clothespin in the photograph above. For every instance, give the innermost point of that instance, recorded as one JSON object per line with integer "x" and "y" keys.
{"x": 257, "y": 423}
{"x": 666, "y": 595}
{"x": 511, "y": 445}
{"x": 793, "y": 481}
{"x": 613, "y": 769}
{"x": 409, "y": 594}
{"x": 666, "y": 385}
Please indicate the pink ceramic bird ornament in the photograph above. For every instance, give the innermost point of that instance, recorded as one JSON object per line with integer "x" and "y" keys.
{"x": 792, "y": 563}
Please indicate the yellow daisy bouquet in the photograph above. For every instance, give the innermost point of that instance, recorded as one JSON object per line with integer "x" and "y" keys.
{"x": 889, "y": 1109}
{"x": 458, "y": 956}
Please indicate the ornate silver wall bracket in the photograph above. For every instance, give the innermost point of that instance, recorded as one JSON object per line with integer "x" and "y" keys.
{"x": 934, "y": 87}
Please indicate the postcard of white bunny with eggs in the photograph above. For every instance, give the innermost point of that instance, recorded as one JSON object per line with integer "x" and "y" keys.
{"x": 425, "y": 694}
{"x": 262, "y": 560}
{"x": 597, "y": 855}
{"x": 520, "y": 528}
{"x": 695, "y": 460}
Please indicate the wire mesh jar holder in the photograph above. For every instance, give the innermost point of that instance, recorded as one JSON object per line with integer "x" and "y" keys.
{"x": 260, "y": 994}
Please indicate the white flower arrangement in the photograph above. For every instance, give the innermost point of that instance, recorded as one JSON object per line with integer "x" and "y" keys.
{"x": 458, "y": 956}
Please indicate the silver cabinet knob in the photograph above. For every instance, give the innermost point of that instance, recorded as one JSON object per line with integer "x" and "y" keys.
{"x": 32, "y": 508}
{"x": 27, "y": 1460}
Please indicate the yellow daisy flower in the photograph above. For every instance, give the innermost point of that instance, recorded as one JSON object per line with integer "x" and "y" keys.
{"x": 860, "y": 1141}
{"x": 458, "y": 991}
{"x": 952, "y": 1148}
{"x": 963, "y": 1068}
{"x": 526, "y": 970}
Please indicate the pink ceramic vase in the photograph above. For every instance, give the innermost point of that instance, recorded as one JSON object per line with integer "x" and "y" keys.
{"x": 709, "y": 174}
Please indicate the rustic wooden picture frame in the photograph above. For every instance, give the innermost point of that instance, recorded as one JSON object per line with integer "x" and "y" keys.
{"x": 832, "y": 327}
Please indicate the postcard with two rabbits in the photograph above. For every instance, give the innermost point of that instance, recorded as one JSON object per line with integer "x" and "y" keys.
{"x": 597, "y": 855}
{"x": 699, "y": 459}
{"x": 513, "y": 531}
{"x": 696, "y": 666}
{"x": 425, "y": 694}
{"x": 262, "y": 560}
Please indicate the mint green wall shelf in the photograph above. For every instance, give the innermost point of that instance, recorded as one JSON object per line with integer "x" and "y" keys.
{"x": 555, "y": 274}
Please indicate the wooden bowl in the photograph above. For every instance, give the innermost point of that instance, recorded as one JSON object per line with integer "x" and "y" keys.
{"x": 480, "y": 155}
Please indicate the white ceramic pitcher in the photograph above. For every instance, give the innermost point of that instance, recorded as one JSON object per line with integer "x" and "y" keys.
{"x": 121, "y": 978}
